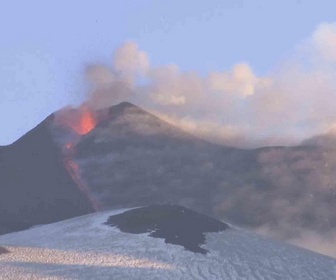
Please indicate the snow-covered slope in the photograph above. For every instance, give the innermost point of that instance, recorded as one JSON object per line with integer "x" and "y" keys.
{"x": 88, "y": 247}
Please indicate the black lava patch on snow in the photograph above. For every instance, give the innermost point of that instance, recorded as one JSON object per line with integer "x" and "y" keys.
{"x": 176, "y": 224}
{"x": 3, "y": 250}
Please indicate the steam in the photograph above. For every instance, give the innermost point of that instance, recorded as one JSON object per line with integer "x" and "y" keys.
{"x": 300, "y": 206}
{"x": 237, "y": 107}
{"x": 129, "y": 61}
{"x": 111, "y": 85}
{"x": 293, "y": 102}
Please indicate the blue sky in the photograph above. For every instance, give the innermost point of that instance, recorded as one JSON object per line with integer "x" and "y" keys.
{"x": 44, "y": 45}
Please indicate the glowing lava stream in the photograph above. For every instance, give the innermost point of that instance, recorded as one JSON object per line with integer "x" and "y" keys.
{"x": 81, "y": 121}
{"x": 87, "y": 121}
{"x": 72, "y": 168}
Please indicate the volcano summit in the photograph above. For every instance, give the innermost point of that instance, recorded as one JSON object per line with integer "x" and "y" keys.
{"x": 78, "y": 161}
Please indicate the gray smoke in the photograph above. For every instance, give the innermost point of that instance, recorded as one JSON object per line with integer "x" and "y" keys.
{"x": 292, "y": 193}
{"x": 235, "y": 106}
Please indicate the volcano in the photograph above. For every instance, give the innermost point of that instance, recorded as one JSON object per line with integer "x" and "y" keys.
{"x": 134, "y": 158}
{"x": 78, "y": 161}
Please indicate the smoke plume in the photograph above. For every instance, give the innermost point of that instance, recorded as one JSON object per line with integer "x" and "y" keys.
{"x": 290, "y": 104}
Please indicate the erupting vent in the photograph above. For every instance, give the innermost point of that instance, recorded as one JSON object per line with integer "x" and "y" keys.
{"x": 81, "y": 120}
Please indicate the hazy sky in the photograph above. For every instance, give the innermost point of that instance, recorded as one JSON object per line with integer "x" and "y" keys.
{"x": 45, "y": 45}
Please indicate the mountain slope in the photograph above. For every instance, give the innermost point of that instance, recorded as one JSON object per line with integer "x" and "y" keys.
{"x": 35, "y": 187}
{"x": 87, "y": 248}
{"x": 133, "y": 158}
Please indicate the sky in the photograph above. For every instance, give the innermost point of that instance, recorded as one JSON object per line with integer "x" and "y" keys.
{"x": 46, "y": 47}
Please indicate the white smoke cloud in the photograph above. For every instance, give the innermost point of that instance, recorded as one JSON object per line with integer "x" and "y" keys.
{"x": 99, "y": 75}
{"x": 128, "y": 60}
{"x": 116, "y": 83}
{"x": 236, "y": 106}
{"x": 310, "y": 240}
{"x": 324, "y": 41}
{"x": 315, "y": 242}
{"x": 239, "y": 81}
{"x": 206, "y": 129}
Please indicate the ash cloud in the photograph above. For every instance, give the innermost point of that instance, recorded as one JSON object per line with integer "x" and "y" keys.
{"x": 291, "y": 196}
{"x": 302, "y": 196}
{"x": 291, "y": 103}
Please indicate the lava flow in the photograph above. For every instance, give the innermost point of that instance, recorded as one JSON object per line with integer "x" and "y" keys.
{"x": 81, "y": 121}
{"x": 72, "y": 168}
{"x": 86, "y": 122}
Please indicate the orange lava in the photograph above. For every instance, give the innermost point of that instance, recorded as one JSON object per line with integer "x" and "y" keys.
{"x": 72, "y": 167}
{"x": 86, "y": 121}
{"x": 81, "y": 120}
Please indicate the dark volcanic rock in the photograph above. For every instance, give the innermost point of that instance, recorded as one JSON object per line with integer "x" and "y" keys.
{"x": 35, "y": 187}
{"x": 12, "y": 226}
{"x": 133, "y": 158}
{"x": 176, "y": 224}
{"x": 3, "y": 250}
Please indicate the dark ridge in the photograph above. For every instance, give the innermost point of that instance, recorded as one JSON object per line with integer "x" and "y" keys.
{"x": 35, "y": 186}
{"x": 110, "y": 114}
{"x": 176, "y": 224}
{"x": 122, "y": 108}
{"x": 125, "y": 135}
{"x": 3, "y": 250}
{"x": 124, "y": 105}
{"x": 12, "y": 226}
